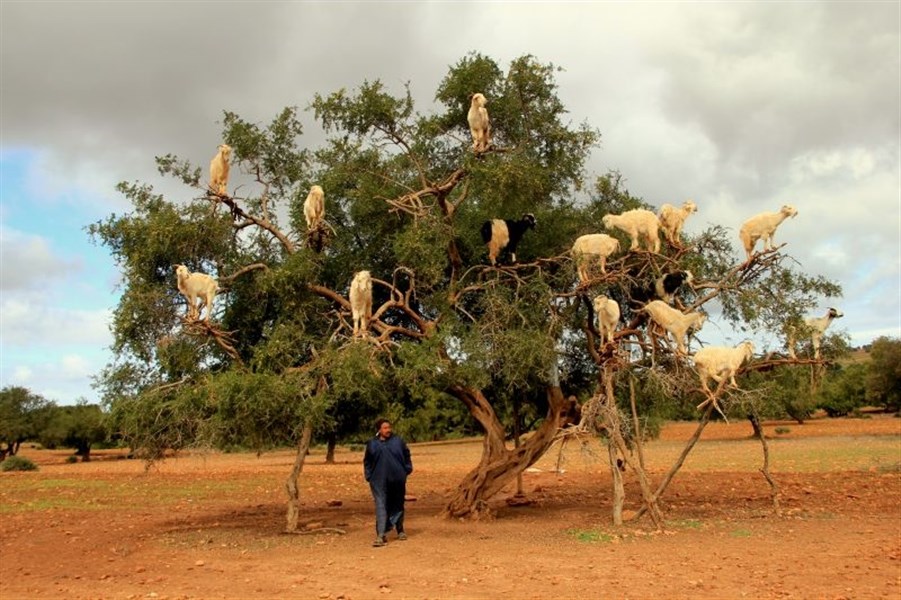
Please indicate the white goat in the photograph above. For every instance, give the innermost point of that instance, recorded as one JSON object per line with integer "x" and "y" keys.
{"x": 219, "y": 170}
{"x": 608, "y": 316}
{"x": 672, "y": 219}
{"x": 637, "y": 223}
{"x": 817, "y": 327}
{"x": 720, "y": 362}
{"x": 194, "y": 286}
{"x": 675, "y": 322}
{"x": 479, "y": 124}
{"x": 593, "y": 244}
{"x": 314, "y": 207}
{"x": 763, "y": 227}
{"x": 361, "y": 302}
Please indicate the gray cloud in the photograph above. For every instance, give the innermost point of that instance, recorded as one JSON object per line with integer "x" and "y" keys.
{"x": 28, "y": 262}
{"x": 740, "y": 106}
{"x": 773, "y": 80}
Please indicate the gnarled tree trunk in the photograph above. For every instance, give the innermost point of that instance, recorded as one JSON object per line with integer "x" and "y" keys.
{"x": 332, "y": 441}
{"x": 500, "y": 465}
{"x": 291, "y": 488}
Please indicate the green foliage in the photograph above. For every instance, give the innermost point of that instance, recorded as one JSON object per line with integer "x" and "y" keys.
{"x": 271, "y": 153}
{"x": 17, "y": 463}
{"x": 77, "y": 427}
{"x": 434, "y": 417}
{"x": 405, "y": 199}
{"x": 843, "y": 390}
{"x": 782, "y": 392}
{"x": 883, "y": 380}
{"x": 255, "y": 410}
{"x": 22, "y": 417}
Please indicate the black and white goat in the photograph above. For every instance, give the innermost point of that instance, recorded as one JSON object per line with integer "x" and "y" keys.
{"x": 504, "y": 234}
{"x": 663, "y": 288}
{"x": 668, "y": 284}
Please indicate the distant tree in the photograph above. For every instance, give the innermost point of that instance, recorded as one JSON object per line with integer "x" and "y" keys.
{"x": 843, "y": 390}
{"x": 406, "y": 198}
{"x": 884, "y": 374}
{"x": 77, "y": 427}
{"x": 22, "y": 416}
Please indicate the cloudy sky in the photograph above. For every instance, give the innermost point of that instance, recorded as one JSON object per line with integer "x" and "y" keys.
{"x": 741, "y": 106}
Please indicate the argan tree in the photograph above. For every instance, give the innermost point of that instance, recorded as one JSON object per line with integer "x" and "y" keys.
{"x": 405, "y": 199}
{"x": 22, "y": 417}
{"x": 79, "y": 427}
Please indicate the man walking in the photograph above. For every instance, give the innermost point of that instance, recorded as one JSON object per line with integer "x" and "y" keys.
{"x": 386, "y": 464}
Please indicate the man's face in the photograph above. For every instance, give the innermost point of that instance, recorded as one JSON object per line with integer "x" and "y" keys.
{"x": 385, "y": 430}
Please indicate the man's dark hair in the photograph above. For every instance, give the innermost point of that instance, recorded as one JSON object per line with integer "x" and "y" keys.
{"x": 380, "y": 422}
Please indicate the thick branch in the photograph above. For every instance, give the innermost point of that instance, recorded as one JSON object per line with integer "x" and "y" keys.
{"x": 224, "y": 281}
{"x": 263, "y": 223}
{"x": 384, "y": 330}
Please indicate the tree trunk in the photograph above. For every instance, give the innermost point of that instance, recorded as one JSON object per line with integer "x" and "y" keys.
{"x": 705, "y": 418}
{"x": 612, "y": 425}
{"x": 291, "y": 487}
{"x": 84, "y": 451}
{"x": 500, "y": 465}
{"x": 619, "y": 493}
{"x": 330, "y": 449}
{"x": 516, "y": 440}
{"x": 765, "y": 469}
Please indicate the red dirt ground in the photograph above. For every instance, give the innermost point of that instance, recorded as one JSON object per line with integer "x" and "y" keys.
{"x": 210, "y": 525}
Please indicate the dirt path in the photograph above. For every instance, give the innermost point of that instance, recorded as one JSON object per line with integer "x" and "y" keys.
{"x": 209, "y": 526}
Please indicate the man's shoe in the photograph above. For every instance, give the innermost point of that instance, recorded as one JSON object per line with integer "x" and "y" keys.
{"x": 401, "y": 536}
{"x": 379, "y": 542}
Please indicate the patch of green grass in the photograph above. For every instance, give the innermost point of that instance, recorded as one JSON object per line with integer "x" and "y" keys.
{"x": 686, "y": 524}
{"x": 18, "y": 463}
{"x": 590, "y": 536}
{"x": 782, "y": 430}
{"x": 826, "y": 454}
{"x": 894, "y": 467}
{"x": 93, "y": 494}
{"x": 50, "y": 504}
{"x": 740, "y": 533}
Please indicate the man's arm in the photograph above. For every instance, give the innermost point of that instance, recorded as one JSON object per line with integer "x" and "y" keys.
{"x": 367, "y": 462}
{"x": 408, "y": 462}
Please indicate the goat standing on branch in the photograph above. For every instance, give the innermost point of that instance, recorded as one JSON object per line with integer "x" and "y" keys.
{"x": 663, "y": 288}
{"x": 314, "y": 207}
{"x": 763, "y": 227}
{"x": 637, "y": 223}
{"x": 674, "y": 321}
{"x": 501, "y": 234}
{"x": 817, "y": 327}
{"x": 219, "y": 170}
{"x": 721, "y": 362}
{"x": 608, "y": 317}
{"x": 479, "y": 124}
{"x": 314, "y": 213}
{"x": 361, "y": 302}
{"x": 672, "y": 219}
{"x": 194, "y": 286}
{"x": 593, "y": 244}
